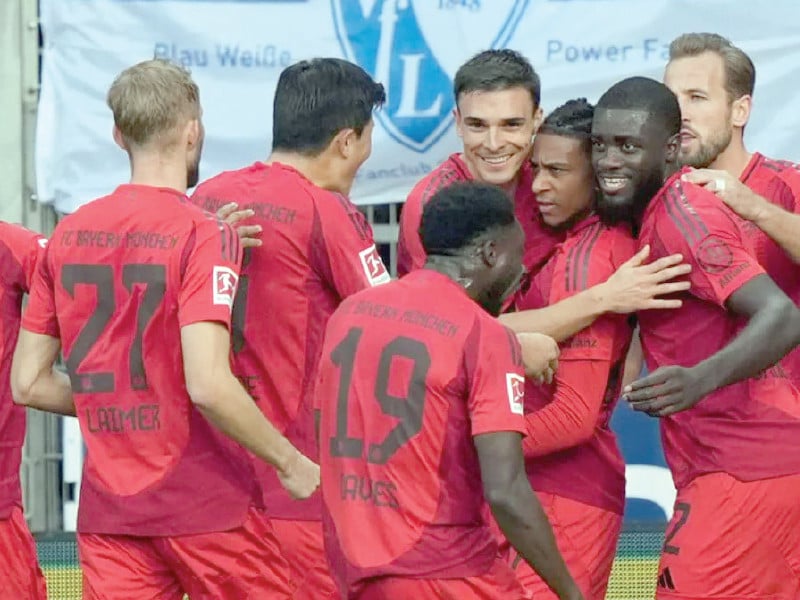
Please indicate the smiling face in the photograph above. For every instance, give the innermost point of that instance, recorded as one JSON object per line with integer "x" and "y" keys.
{"x": 707, "y": 119}
{"x": 496, "y": 128}
{"x": 630, "y": 152}
{"x": 563, "y": 179}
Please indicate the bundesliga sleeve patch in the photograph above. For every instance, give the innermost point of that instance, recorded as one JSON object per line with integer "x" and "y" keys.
{"x": 373, "y": 266}
{"x": 225, "y": 280}
{"x": 515, "y": 385}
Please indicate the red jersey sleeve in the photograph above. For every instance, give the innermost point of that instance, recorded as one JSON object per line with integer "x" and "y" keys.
{"x": 352, "y": 260}
{"x": 497, "y": 381}
{"x": 27, "y": 247}
{"x": 586, "y": 358}
{"x": 410, "y": 253}
{"x": 571, "y": 416}
{"x": 784, "y": 190}
{"x": 40, "y": 315}
{"x": 694, "y": 224}
{"x": 210, "y": 273}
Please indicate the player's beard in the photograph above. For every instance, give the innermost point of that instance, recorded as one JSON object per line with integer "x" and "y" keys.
{"x": 613, "y": 210}
{"x": 503, "y": 289}
{"x": 709, "y": 150}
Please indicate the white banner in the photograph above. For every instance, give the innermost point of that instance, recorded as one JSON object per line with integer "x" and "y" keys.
{"x": 236, "y": 50}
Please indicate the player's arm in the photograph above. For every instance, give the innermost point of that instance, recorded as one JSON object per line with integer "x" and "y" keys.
{"x": 634, "y": 286}
{"x": 518, "y": 512}
{"x": 779, "y": 224}
{"x": 772, "y": 330}
{"x": 570, "y": 418}
{"x": 35, "y": 382}
{"x": 220, "y": 397}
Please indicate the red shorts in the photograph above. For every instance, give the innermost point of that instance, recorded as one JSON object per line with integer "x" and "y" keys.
{"x": 302, "y": 547}
{"x": 20, "y": 575}
{"x": 587, "y": 538}
{"x": 498, "y": 582}
{"x": 229, "y": 565}
{"x": 733, "y": 540}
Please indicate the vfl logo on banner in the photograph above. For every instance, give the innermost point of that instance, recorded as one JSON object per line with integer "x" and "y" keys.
{"x": 414, "y": 48}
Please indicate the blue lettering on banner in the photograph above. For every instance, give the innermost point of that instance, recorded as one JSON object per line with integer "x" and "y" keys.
{"x": 648, "y": 49}
{"x": 400, "y": 171}
{"x": 267, "y": 56}
{"x": 387, "y": 38}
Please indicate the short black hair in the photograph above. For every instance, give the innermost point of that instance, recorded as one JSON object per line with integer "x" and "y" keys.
{"x": 571, "y": 119}
{"x": 458, "y": 214}
{"x": 493, "y": 70}
{"x": 315, "y": 99}
{"x": 648, "y": 95}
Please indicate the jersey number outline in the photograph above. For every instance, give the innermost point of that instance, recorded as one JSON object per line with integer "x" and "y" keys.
{"x": 154, "y": 277}
{"x": 408, "y": 409}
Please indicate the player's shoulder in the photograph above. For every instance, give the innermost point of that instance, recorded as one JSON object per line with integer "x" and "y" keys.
{"x": 493, "y": 338}
{"x": 14, "y": 232}
{"x": 228, "y": 186}
{"x": 778, "y": 167}
{"x": 449, "y": 171}
{"x": 591, "y": 252}
{"x": 777, "y": 180}
{"x": 687, "y": 210}
{"x": 231, "y": 179}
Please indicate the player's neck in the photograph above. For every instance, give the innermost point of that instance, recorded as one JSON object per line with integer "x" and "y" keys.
{"x": 319, "y": 169}
{"x": 452, "y": 268}
{"x": 155, "y": 170}
{"x": 734, "y": 159}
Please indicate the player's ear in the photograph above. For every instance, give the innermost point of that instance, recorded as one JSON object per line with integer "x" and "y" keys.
{"x": 740, "y": 111}
{"x": 672, "y": 148}
{"x": 459, "y": 122}
{"x": 193, "y": 133}
{"x": 538, "y": 117}
{"x": 119, "y": 139}
{"x": 488, "y": 253}
{"x": 344, "y": 142}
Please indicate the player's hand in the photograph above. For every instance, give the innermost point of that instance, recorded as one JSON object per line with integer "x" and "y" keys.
{"x": 740, "y": 198}
{"x": 666, "y": 391}
{"x": 539, "y": 356}
{"x": 637, "y": 286}
{"x": 232, "y": 216}
{"x": 300, "y": 477}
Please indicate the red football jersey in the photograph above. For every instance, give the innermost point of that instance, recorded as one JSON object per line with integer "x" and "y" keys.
{"x": 317, "y": 250}
{"x": 748, "y": 429}
{"x": 779, "y": 182}
{"x": 119, "y": 279}
{"x": 20, "y": 250}
{"x": 539, "y": 240}
{"x": 404, "y": 386}
{"x": 559, "y": 458}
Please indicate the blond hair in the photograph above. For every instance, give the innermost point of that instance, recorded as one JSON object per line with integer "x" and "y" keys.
{"x": 740, "y": 73}
{"x": 152, "y": 100}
